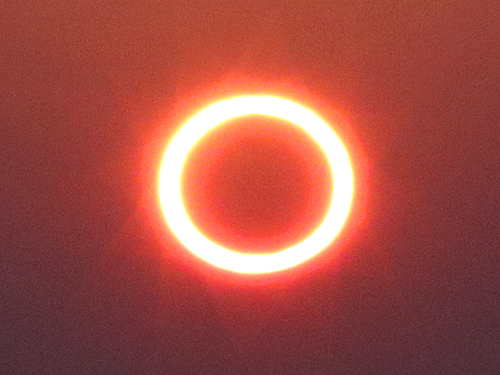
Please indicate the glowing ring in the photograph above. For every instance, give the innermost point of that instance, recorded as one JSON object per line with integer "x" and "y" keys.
{"x": 212, "y": 116}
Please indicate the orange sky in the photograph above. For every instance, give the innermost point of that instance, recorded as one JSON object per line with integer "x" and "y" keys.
{"x": 90, "y": 94}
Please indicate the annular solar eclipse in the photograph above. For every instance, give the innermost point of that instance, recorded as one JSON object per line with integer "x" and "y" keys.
{"x": 197, "y": 127}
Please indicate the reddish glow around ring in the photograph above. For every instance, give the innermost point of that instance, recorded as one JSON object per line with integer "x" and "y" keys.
{"x": 212, "y": 116}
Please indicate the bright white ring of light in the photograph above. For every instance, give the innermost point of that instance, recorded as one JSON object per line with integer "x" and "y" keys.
{"x": 214, "y": 115}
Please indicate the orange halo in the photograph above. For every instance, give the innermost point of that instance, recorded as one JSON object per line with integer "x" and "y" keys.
{"x": 212, "y": 116}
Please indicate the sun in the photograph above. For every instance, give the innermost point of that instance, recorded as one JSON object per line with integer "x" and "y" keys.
{"x": 230, "y": 259}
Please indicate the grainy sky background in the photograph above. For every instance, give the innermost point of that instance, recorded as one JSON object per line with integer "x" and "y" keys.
{"x": 90, "y": 92}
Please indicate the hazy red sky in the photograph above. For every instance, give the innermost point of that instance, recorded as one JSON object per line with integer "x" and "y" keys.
{"x": 90, "y": 93}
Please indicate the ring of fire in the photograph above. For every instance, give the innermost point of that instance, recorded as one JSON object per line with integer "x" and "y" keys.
{"x": 177, "y": 151}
